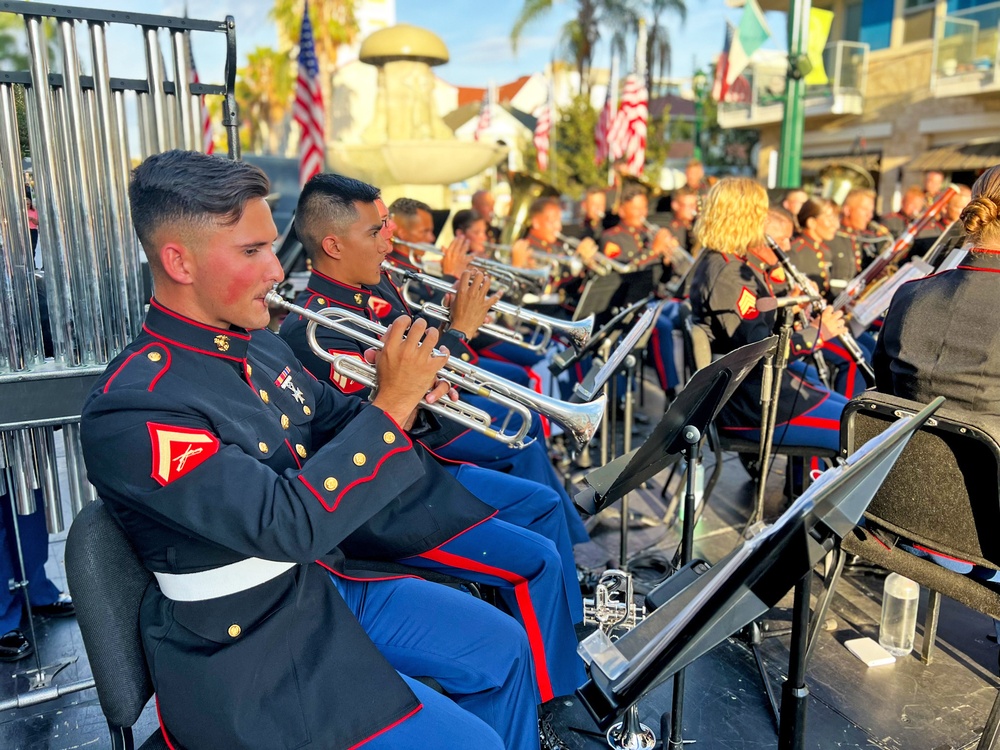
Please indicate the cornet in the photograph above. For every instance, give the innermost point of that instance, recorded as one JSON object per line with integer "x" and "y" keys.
{"x": 576, "y": 332}
{"x": 579, "y": 420}
{"x": 599, "y": 262}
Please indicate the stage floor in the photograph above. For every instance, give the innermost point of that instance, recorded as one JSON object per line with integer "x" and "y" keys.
{"x": 907, "y": 705}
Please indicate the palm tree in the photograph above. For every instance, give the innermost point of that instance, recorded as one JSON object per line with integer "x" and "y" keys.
{"x": 658, "y": 49}
{"x": 579, "y": 35}
{"x": 263, "y": 89}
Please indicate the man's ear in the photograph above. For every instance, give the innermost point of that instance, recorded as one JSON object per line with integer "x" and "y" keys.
{"x": 332, "y": 247}
{"x": 178, "y": 262}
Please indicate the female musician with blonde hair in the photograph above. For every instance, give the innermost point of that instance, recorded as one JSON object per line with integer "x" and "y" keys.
{"x": 724, "y": 293}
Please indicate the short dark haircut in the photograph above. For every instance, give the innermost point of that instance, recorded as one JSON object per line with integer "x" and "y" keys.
{"x": 783, "y": 214}
{"x": 630, "y": 190}
{"x": 595, "y": 190}
{"x": 191, "y": 188}
{"x": 683, "y": 192}
{"x": 541, "y": 204}
{"x": 464, "y": 219}
{"x": 812, "y": 208}
{"x": 327, "y": 203}
{"x": 408, "y": 208}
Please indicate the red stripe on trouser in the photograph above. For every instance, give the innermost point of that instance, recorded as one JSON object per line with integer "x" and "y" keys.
{"x": 535, "y": 641}
{"x": 658, "y": 359}
{"x": 806, "y": 421}
{"x": 163, "y": 728}
{"x": 383, "y": 730}
{"x": 852, "y": 367}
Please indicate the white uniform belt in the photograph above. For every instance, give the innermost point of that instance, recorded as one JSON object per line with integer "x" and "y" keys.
{"x": 229, "y": 579}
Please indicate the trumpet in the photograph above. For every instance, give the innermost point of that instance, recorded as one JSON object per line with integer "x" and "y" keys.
{"x": 599, "y": 262}
{"x": 524, "y": 279}
{"x": 676, "y": 251}
{"x": 579, "y": 420}
{"x": 576, "y": 332}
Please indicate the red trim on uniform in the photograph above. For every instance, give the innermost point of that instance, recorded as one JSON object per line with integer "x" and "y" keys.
{"x": 159, "y": 718}
{"x": 456, "y": 461}
{"x": 383, "y": 730}
{"x": 196, "y": 324}
{"x": 298, "y": 464}
{"x": 852, "y": 367}
{"x": 362, "y": 480}
{"x": 445, "y": 445}
{"x": 984, "y": 251}
{"x": 341, "y": 574}
{"x": 129, "y": 359}
{"x": 971, "y": 268}
{"x": 220, "y": 355}
{"x": 942, "y": 554}
{"x": 873, "y": 536}
{"x": 822, "y": 423}
{"x": 535, "y": 381}
{"x": 524, "y": 604}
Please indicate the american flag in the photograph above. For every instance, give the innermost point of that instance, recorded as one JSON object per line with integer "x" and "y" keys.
{"x": 719, "y": 87}
{"x": 628, "y": 136}
{"x": 485, "y": 115}
{"x": 207, "y": 144}
{"x": 543, "y": 126}
{"x": 603, "y": 130}
{"x": 308, "y": 108}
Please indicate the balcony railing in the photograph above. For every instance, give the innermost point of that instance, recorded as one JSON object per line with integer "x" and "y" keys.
{"x": 967, "y": 52}
{"x": 758, "y": 98}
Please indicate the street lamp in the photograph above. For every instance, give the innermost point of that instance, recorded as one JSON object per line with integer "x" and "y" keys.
{"x": 699, "y": 85}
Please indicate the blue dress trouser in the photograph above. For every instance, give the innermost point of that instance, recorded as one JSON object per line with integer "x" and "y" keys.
{"x": 35, "y": 544}
{"x": 527, "y": 571}
{"x": 847, "y": 379}
{"x": 478, "y": 655}
{"x": 530, "y": 506}
{"x": 531, "y": 462}
{"x": 661, "y": 346}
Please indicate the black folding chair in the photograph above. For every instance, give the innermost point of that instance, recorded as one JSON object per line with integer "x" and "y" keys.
{"x": 108, "y": 582}
{"x": 943, "y": 495}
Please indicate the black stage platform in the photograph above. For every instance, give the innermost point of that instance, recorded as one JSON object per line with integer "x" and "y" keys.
{"x": 940, "y": 706}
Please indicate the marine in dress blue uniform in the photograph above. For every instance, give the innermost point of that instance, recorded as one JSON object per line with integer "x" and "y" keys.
{"x": 213, "y": 448}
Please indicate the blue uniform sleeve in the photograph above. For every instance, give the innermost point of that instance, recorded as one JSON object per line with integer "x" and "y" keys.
{"x": 146, "y": 453}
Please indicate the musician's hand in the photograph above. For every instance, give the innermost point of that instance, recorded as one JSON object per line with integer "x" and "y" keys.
{"x": 441, "y": 389}
{"x": 405, "y": 368}
{"x": 471, "y": 303}
{"x": 520, "y": 255}
{"x": 831, "y": 324}
{"x": 456, "y": 257}
{"x": 587, "y": 249}
{"x": 664, "y": 245}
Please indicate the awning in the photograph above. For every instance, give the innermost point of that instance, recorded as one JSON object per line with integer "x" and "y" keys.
{"x": 959, "y": 157}
{"x": 814, "y": 164}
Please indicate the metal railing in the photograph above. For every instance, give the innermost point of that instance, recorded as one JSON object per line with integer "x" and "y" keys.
{"x": 758, "y": 96}
{"x": 967, "y": 50}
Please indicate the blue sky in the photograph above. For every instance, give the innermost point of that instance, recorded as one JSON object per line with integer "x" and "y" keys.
{"x": 477, "y": 34}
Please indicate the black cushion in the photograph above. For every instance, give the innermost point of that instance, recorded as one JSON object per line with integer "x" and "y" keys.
{"x": 108, "y": 582}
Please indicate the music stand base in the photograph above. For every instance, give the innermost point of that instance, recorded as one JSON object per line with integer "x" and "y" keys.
{"x": 42, "y": 677}
{"x": 630, "y": 733}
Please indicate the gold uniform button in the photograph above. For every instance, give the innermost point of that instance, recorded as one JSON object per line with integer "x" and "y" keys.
{"x": 300, "y": 449}
{"x": 285, "y": 422}
{"x": 264, "y": 397}
{"x": 154, "y": 356}
{"x": 389, "y": 438}
{"x": 359, "y": 459}
{"x": 465, "y": 357}
{"x": 263, "y": 447}
{"x": 249, "y": 371}
{"x": 234, "y": 630}
{"x": 320, "y": 301}
{"x": 306, "y": 410}
{"x": 330, "y": 484}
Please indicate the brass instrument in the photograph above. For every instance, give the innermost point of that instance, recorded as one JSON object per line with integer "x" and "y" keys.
{"x": 599, "y": 263}
{"x": 524, "y": 190}
{"x": 579, "y": 420}
{"x": 887, "y": 261}
{"x": 576, "y": 332}
{"x": 559, "y": 264}
{"x": 676, "y": 251}
{"x": 839, "y": 178}
{"x": 613, "y": 606}
{"x": 525, "y": 280}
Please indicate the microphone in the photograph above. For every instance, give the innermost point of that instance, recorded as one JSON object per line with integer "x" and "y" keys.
{"x": 767, "y": 304}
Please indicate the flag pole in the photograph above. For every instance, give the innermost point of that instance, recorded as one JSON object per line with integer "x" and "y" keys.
{"x": 553, "y": 120}
{"x": 613, "y": 93}
{"x": 793, "y": 124}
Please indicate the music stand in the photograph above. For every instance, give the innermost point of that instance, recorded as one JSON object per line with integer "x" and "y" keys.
{"x": 566, "y": 359}
{"x": 679, "y": 431}
{"x": 596, "y": 295}
{"x": 637, "y": 285}
{"x": 744, "y": 585}
{"x": 591, "y": 385}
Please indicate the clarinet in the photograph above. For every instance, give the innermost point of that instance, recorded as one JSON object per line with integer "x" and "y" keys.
{"x": 846, "y": 339}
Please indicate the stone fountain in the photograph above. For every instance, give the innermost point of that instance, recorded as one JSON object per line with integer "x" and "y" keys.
{"x": 406, "y": 143}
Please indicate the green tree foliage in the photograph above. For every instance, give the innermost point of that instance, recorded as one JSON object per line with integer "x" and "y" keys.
{"x": 14, "y": 57}
{"x": 264, "y": 90}
{"x": 572, "y": 166}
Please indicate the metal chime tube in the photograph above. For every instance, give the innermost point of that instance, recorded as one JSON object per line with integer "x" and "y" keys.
{"x": 183, "y": 103}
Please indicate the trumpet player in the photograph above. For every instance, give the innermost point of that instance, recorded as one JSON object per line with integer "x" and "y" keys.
{"x": 336, "y": 220}
{"x": 592, "y": 209}
{"x": 242, "y": 482}
{"x": 630, "y": 241}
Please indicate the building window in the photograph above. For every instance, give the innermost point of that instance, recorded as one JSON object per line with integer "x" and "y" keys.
{"x": 876, "y": 23}
{"x": 918, "y": 20}
{"x": 852, "y": 21}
